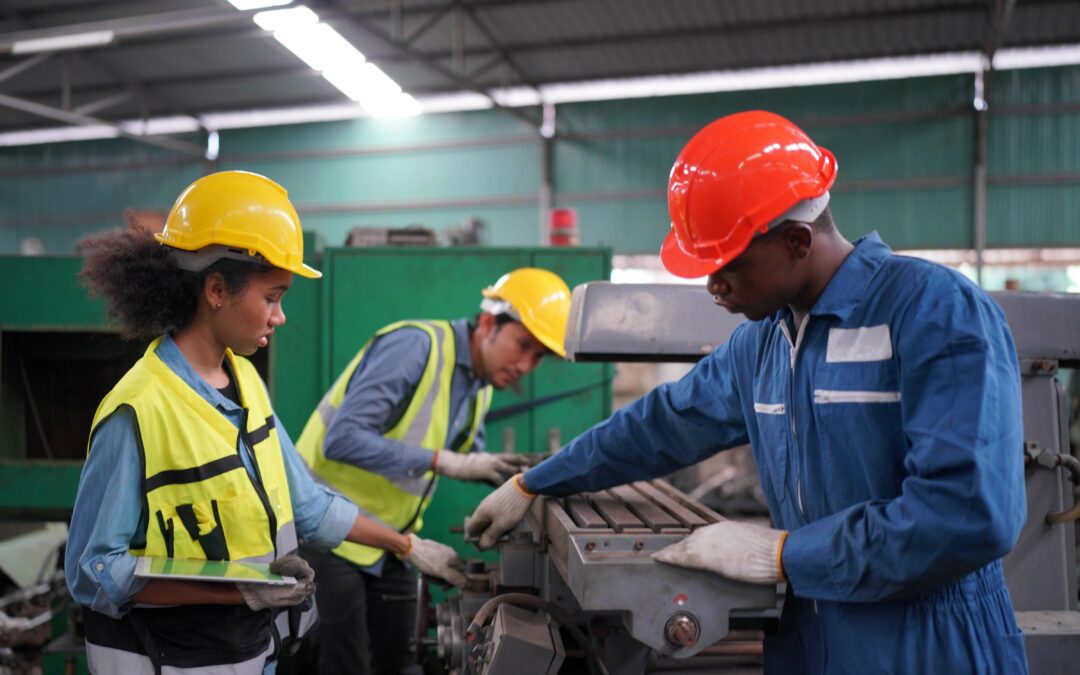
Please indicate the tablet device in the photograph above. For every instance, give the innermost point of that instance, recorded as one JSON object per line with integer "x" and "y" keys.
{"x": 209, "y": 570}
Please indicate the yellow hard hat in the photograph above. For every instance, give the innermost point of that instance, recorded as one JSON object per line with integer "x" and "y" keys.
{"x": 541, "y": 301}
{"x": 239, "y": 210}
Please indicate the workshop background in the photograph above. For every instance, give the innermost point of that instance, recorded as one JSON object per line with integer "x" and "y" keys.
{"x": 491, "y": 134}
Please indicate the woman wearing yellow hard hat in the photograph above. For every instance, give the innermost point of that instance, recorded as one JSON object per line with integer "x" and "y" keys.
{"x": 187, "y": 459}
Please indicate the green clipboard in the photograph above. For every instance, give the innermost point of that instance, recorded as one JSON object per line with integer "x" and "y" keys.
{"x": 229, "y": 571}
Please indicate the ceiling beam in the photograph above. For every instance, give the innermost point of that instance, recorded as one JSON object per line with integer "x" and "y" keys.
{"x": 77, "y": 119}
{"x": 23, "y": 66}
{"x": 500, "y": 50}
{"x": 434, "y": 65}
{"x": 133, "y": 26}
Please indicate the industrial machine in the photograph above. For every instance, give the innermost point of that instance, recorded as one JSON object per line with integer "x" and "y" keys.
{"x": 582, "y": 563}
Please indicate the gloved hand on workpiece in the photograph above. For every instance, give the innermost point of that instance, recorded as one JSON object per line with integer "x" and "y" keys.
{"x": 493, "y": 468}
{"x": 259, "y": 596}
{"x": 735, "y": 550}
{"x": 499, "y": 512}
{"x": 435, "y": 560}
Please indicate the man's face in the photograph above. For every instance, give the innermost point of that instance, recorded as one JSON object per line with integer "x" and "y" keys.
{"x": 760, "y": 281}
{"x": 507, "y": 352}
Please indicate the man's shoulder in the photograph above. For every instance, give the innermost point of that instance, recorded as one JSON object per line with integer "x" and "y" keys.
{"x": 924, "y": 279}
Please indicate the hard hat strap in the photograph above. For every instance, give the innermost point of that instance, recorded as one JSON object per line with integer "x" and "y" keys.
{"x": 197, "y": 261}
{"x": 495, "y": 307}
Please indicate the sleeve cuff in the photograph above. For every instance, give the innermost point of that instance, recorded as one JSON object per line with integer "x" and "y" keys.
{"x": 335, "y": 525}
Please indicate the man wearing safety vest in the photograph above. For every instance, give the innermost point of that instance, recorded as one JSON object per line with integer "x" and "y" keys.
{"x": 880, "y": 395}
{"x": 409, "y": 407}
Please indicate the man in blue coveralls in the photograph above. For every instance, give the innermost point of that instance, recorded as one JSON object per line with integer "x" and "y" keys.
{"x": 880, "y": 395}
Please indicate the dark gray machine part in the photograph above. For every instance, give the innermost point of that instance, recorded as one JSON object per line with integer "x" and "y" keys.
{"x": 600, "y": 546}
{"x": 644, "y": 322}
{"x": 522, "y": 643}
{"x": 1041, "y": 569}
{"x": 585, "y": 561}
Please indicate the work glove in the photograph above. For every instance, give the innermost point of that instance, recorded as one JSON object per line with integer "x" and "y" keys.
{"x": 435, "y": 560}
{"x": 479, "y": 466}
{"x": 735, "y": 550}
{"x": 261, "y": 596}
{"x": 499, "y": 512}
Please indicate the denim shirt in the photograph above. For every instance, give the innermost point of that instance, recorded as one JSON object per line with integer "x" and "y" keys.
{"x": 378, "y": 394}
{"x": 380, "y": 391}
{"x": 109, "y": 518}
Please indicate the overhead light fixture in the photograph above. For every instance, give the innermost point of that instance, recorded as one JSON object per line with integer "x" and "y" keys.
{"x": 281, "y": 19}
{"x": 401, "y": 105}
{"x": 362, "y": 83}
{"x": 156, "y": 126}
{"x": 58, "y": 135}
{"x": 55, "y": 43}
{"x": 320, "y": 46}
{"x": 257, "y": 4}
{"x": 317, "y": 44}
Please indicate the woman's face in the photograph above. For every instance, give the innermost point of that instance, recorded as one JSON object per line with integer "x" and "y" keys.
{"x": 247, "y": 319}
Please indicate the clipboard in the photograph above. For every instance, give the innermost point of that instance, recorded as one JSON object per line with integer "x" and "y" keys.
{"x": 228, "y": 571}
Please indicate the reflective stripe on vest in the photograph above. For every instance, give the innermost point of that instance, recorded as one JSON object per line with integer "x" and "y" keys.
{"x": 101, "y": 659}
{"x": 394, "y": 501}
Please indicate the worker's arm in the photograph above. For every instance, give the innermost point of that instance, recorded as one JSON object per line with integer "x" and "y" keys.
{"x": 962, "y": 504}
{"x": 378, "y": 394}
{"x": 108, "y": 512}
{"x": 322, "y": 517}
{"x": 671, "y": 427}
{"x": 179, "y": 592}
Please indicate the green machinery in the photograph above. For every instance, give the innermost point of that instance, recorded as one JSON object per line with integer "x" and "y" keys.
{"x": 58, "y": 358}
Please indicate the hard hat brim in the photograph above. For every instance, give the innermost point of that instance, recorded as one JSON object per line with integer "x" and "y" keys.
{"x": 307, "y": 271}
{"x": 683, "y": 265}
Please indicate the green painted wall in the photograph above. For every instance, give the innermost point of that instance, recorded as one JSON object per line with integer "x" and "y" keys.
{"x": 905, "y": 149}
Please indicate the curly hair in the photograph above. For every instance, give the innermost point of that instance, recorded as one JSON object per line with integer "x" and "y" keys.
{"x": 146, "y": 293}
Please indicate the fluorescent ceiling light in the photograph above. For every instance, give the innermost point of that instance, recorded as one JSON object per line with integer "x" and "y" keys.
{"x": 401, "y": 105}
{"x": 364, "y": 83}
{"x": 320, "y": 46}
{"x": 155, "y": 126}
{"x": 58, "y": 135}
{"x": 466, "y": 100}
{"x": 1037, "y": 57}
{"x": 257, "y": 4}
{"x": 281, "y": 19}
{"x": 56, "y": 43}
{"x": 243, "y": 119}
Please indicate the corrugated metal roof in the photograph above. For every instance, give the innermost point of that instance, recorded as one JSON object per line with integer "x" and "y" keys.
{"x": 228, "y": 63}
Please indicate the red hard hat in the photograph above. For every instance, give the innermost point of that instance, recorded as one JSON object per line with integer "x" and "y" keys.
{"x": 733, "y": 180}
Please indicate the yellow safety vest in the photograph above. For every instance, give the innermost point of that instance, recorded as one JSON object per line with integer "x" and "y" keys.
{"x": 397, "y": 502}
{"x": 202, "y": 502}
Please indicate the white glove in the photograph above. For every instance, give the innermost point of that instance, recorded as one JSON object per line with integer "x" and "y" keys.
{"x": 259, "y": 596}
{"x": 435, "y": 560}
{"x": 735, "y": 550}
{"x": 479, "y": 466}
{"x": 499, "y": 512}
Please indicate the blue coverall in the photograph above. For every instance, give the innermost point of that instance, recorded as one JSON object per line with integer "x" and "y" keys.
{"x": 887, "y": 435}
